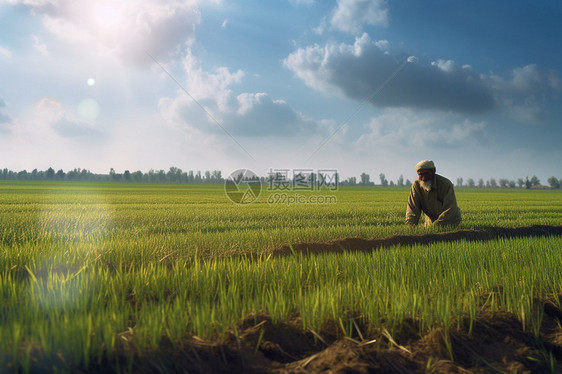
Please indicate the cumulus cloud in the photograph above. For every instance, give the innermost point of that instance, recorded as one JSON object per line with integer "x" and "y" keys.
{"x": 248, "y": 115}
{"x": 350, "y": 15}
{"x": 5, "y": 54}
{"x": 210, "y": 86}
{"x": 360, "y": 69}
{"x": 525, "y": 80}
{"x": 524, "y": 93}
{"x": 245, "y": 114}
{"x": 39, "y": 46}
{"x": 405, "y": 129}
{"x": 127, "y": 30}
{"x": 5, "y": 119}
{"x": 63, "y": 122}
{"x": 259, "y": 115}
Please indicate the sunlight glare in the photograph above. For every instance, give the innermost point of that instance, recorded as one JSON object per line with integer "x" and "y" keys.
{"x": 107, "y": 13}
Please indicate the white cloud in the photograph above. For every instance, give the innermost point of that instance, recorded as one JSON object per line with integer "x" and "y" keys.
{"x": 245, "y": 114}
{"x": 402, "y": 129}
{"x": 5, "y": 54}
{"x": 523, "y": 94}
{"x": 446, "y": 66}
{"x": 365, "y": 67}
{"x": 525, "y": 80}
{"x": 39, "y": 46}
{"x": 351, "y": 15}
{"x": 384, "y": 45}
{"x": 49, "y": 134}
{"x": 53, "y": 117}
{"x": 6, "y": 120}
{"x": 203, "y": 85}
{"x": 126, "y": 30}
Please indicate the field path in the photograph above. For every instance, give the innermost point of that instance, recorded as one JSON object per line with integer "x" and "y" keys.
{"x": 359, "y": 244}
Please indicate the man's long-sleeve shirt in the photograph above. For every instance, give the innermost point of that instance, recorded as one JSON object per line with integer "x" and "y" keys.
{"x": 439, "y": 204}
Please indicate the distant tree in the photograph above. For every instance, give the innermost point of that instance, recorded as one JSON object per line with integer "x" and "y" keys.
{"x": 554, "y": 183}
{"x": 392, "y": 184}
{"x": 137, "y": 176}
{"x": 480, "y": 183}
{"x": 511, "y": 184}
{"x": 23, "y": 175}
{"x": 86, "y": 175}
{"x": 60, "y": 174}
{"x": 493, "y": 183}
{"x": 113, "y": 176}
{"x": 365, "y": 179}
{"x": 528, "y": 183}
{"x": 127, "y": 176}
{"x": 535, "y": 181}
{"x": 161, "y": 176}
{"x": 217, "y": 176}
{"x": 400, "y": 181}
{"x": 504, "y": 182}
{"x": 470, "y": 182}
{"x": 351, "y": 181}
{"x": 520, "y": 182}
{"x": 459, "y": 182}
{"x": 50, "y": 173}
{"x": 173, "y": 175}
{"x": 382, "y": 177}
{"x": 73, "y": 174}
{"x": 408, "y": 183}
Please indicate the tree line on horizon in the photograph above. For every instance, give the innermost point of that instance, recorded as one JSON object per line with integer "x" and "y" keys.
{"x": 173, "y": 175}
{"x": 177, "y": 175}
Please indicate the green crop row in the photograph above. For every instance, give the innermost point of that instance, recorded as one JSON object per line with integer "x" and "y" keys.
{"x": 89, "y": 269}
{"x": 81, "y": 312}
{"x": 199, "y": 218}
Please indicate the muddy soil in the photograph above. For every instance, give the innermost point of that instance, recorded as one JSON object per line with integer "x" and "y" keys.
{"x": 359, "y": 244}
{"x": 495, "y": 343}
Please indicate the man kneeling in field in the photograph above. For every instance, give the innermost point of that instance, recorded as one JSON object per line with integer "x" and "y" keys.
{"x": 434, "y": 195}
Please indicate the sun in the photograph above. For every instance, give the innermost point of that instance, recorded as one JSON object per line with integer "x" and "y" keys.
{"x": 107, "y": 13}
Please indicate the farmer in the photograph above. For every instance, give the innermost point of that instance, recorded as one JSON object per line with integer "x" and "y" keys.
{"x": 433, "y": 195}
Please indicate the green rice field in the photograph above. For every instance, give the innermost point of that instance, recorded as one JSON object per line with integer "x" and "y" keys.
{"x": 90, "y": 270}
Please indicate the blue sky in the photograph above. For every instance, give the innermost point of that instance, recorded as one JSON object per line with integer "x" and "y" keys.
{"x": 351, "y": 85}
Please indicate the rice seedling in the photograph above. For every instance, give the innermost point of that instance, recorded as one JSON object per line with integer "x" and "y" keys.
{"x": 89, "y": 270}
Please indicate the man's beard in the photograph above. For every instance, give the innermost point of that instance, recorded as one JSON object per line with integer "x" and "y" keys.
{"x": 426, "y": 185}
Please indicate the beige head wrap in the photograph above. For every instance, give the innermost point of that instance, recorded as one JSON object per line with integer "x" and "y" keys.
{"x": 425, "y": 164}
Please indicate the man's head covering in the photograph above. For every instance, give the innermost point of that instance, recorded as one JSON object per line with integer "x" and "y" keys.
{"x": 425, "y": 164}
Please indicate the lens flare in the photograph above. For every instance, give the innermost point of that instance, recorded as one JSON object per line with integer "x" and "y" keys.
{"x": 88, "y": 109}
{"x": 77, "y": 225}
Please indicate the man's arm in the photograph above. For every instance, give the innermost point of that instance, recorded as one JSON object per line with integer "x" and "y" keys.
{"x": 413, "y": 210}
{"x": 451, "y": 213}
